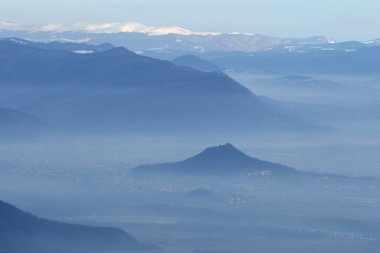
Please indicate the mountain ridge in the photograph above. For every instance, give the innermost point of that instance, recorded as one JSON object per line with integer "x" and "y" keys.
{"x": 196, "y": 63}
{"x": 118, "y": 90}
{"x": 148, "y": 39}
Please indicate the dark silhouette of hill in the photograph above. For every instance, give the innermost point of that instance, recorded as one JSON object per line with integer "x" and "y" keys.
{"x": 22, "y": 232}
{"x": 224, "y": 160}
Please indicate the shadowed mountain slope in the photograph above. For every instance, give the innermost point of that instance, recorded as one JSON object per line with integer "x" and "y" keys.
{"x": 120, "y": 91}
{"x": 195, "y": 62}
{"x": 21, "y": 232}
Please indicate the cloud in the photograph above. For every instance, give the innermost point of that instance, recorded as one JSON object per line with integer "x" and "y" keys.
{"x": 11, "y": 26}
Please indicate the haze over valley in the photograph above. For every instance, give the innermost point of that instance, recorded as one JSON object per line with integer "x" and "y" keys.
{"x": 124, "y": 137}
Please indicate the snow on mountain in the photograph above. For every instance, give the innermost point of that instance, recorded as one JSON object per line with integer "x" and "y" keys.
{"x": 103, "y": 28}
{"x": 372, "y": 42}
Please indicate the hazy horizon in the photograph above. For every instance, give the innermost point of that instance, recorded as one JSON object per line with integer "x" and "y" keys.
{"x": 353, "y": 20}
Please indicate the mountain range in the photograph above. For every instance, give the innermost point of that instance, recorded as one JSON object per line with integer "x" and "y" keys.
{"x": 118, "y": 90}
{"x": 150, "y": 40}
{"x": 171, "y": 42}
{"x": 80, "y": 48}
{"x": 22, "y": 232}
{"x": 335, "y": 59}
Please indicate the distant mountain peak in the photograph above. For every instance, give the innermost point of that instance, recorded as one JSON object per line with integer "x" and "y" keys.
{"x": 226, "y": 152}
{"x": 218, "y": 160}
{"x": 222, "y": 149}
{"x": 119, "y": 51}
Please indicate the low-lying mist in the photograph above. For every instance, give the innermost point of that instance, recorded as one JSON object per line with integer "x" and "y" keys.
{"x": 87, "y": 181}
{"x": 326, "y": 134}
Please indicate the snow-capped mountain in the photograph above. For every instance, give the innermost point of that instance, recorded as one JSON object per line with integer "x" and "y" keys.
{"x": 169, "y": 42}
{"x": 151, "y": 40}
{"x": 128, "y": 27}
{"x": 372, "y": 42}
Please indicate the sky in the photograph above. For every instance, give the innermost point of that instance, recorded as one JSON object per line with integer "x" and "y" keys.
{"x": 341, "y": 20}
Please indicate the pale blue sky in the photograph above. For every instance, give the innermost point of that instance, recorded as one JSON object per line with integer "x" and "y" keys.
{"x": 337, "y": 19}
